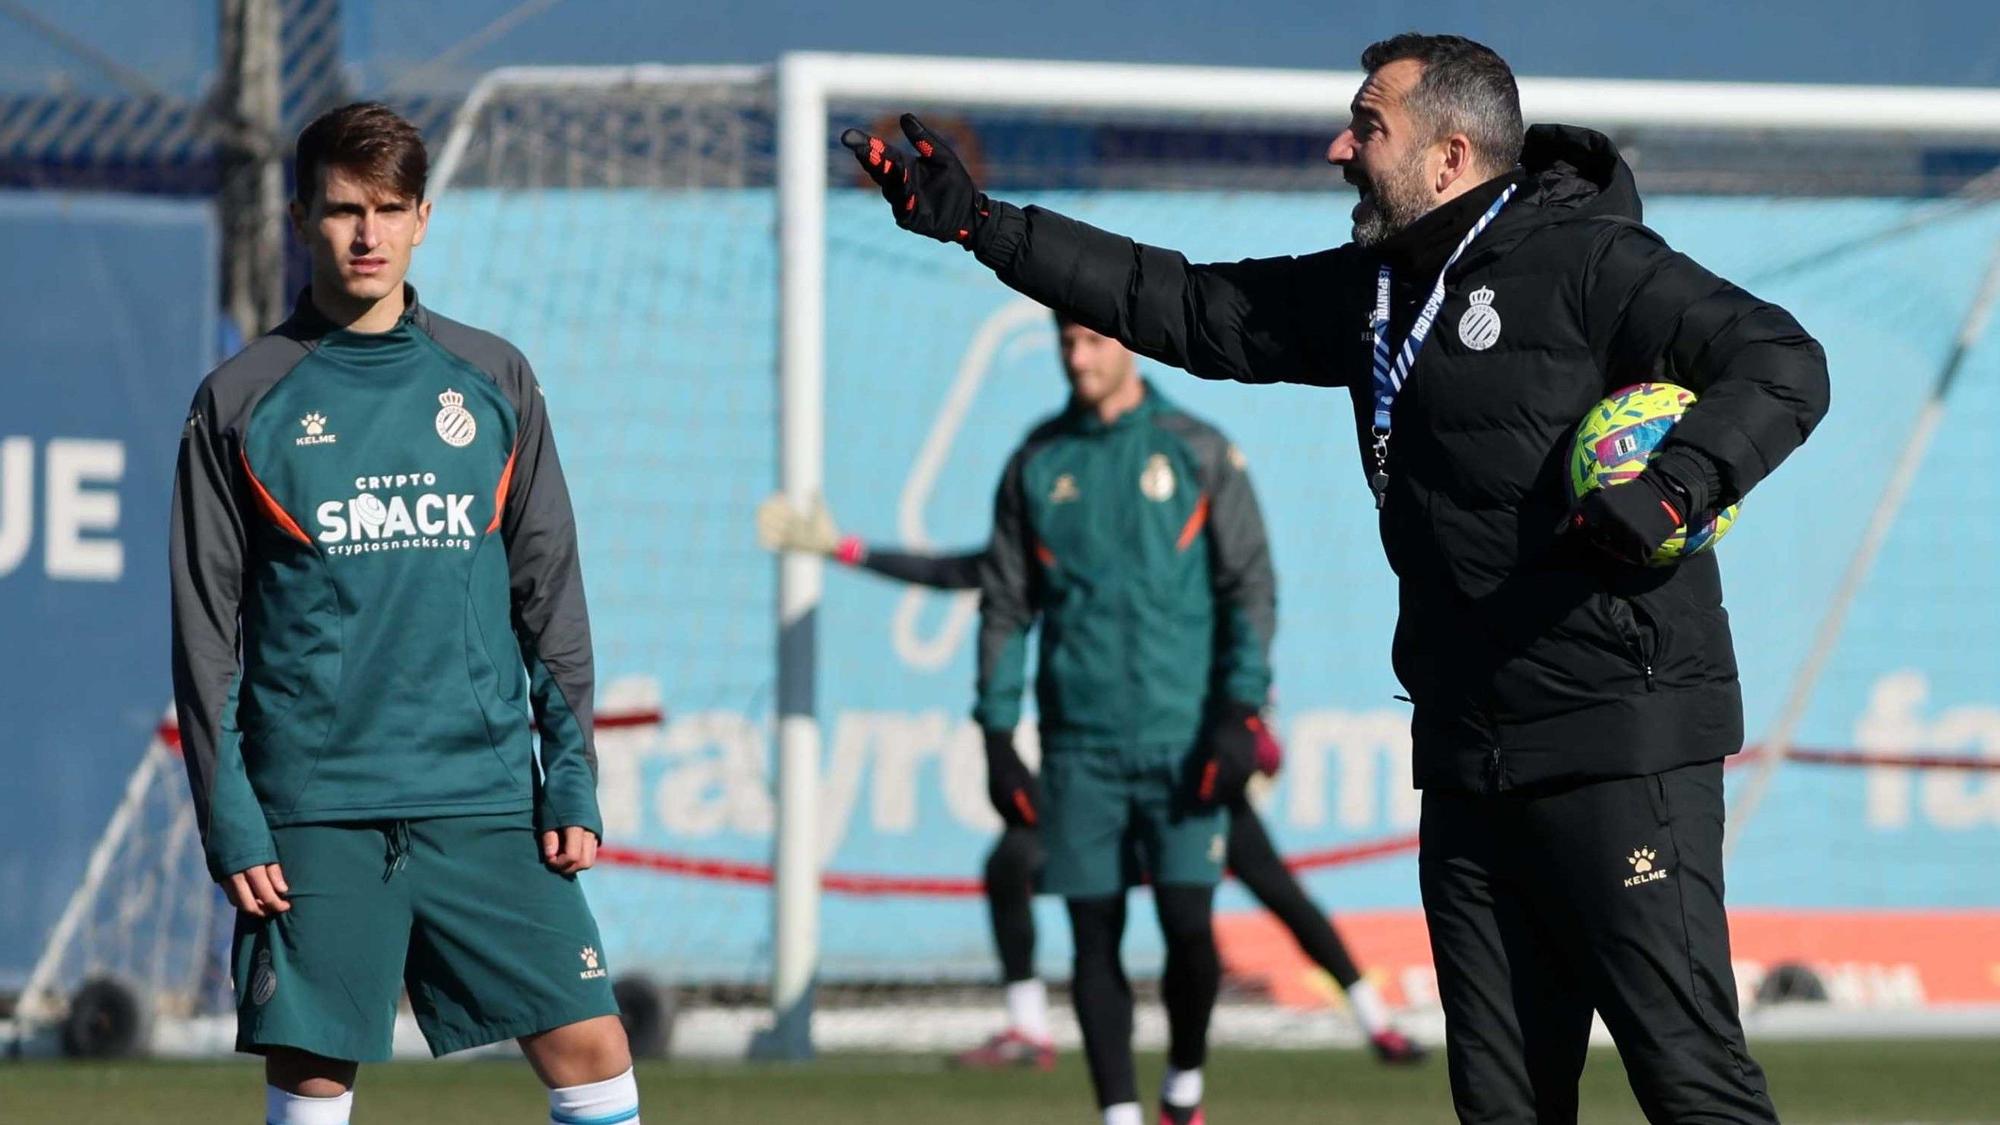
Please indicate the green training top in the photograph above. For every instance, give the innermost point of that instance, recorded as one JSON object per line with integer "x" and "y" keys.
{"x": 371, "y": 539}
{"x": 1139, "y": 550}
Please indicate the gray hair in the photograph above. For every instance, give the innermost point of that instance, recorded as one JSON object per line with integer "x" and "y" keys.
{"x": 1465, "y": 88}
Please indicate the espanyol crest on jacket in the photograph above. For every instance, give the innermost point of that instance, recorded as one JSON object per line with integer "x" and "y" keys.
{"x": 1480, "y": 326}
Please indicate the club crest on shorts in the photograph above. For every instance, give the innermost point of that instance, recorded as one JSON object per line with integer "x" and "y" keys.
{"x": 1480, "y": 326}
{"x": 1156, "y": 483}
{"x": 263, "y": 979}
{"x": 455, "y": 424}
{"x": 1643, "y": 869}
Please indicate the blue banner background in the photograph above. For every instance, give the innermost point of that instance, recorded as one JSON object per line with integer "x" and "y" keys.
{"x": 110, "y": 323}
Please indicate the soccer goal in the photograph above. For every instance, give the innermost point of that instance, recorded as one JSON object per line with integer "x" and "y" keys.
{"x": 718, "y": 307}
{"x": 143, "y": 937}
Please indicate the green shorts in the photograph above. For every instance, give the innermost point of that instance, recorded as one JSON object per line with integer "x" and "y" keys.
{"x": 1116, "y": 815}
{"x": 491, "y": 944}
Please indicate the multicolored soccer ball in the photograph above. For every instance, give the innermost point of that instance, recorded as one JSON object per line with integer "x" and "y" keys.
{"x": 1616, "y": 440}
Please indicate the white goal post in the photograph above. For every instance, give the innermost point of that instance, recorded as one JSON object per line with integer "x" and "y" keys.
{"x": 806, "y": 88}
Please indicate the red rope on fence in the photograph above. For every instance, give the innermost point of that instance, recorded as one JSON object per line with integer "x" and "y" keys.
{"x": 715, "y": 870}
{"x": 759, "y": 874}
{"x": 1891, "y": 759}
{"x": 1352, "y": 853}
{"x": 617, "y": 720}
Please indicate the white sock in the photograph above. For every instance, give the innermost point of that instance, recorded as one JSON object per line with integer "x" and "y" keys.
{"x": 614, "y": 1101}
{"x": 1181, "y": 1088}
{"x": 1124, "y": 1113}
{"x": 281, "y": 1108}
{"x": 1370, "y": 1010}
{"x": 1028, "y": 1009}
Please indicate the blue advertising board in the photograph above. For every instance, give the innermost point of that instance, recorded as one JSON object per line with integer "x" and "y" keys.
{"x": 110, "y": 311}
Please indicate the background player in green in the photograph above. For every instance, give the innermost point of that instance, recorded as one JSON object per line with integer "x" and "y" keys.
{"x": 1127, "y": 532}
{"x": 371, "y": 537}
{"x": 1013, "y": 867}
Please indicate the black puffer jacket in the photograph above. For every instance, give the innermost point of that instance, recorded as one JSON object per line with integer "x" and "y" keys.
{"x": 1529, "y": 659}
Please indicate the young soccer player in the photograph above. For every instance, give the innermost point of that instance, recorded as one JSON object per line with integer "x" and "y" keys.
{"x": 375, "y": 588}
{"x": 1127, "y": 531}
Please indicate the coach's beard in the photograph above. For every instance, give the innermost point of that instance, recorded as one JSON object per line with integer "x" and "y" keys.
{"x": 1390, "y": 203}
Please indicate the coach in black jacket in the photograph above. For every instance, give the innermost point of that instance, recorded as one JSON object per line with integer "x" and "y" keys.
{"x": 1571, "y": 708}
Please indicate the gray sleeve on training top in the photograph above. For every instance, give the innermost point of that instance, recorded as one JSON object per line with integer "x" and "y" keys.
{"x": 209, "y": 548}
{"x": 1240, "y": 572}
{"x": 551, "y": 620}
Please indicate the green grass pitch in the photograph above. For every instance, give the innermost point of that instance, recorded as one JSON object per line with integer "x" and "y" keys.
{"x": 1853, "y": 1082}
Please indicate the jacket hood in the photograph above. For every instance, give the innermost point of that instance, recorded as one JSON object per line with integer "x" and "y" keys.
{"x": 1577, "y": 172}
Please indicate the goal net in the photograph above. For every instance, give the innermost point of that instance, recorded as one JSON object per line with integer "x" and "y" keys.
{"x": 143, "y": 939}
{"x": 623, "y": 227}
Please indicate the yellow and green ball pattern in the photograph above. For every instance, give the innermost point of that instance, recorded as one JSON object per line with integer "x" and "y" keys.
{"x": 1616, "y": 440}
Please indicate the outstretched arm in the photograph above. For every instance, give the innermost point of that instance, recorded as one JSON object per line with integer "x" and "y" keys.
{"x": 781, "y": 527}
{"x": 1262, "y": 320}
{"x": 939, "y": 572}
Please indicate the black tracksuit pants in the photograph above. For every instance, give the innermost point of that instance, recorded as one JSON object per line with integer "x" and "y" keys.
{"x": 1545, "y": 905}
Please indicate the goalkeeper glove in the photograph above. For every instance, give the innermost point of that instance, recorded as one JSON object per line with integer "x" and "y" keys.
{"x": 1014, "y": 790}
{"x": 933, "y": 194}
{"x": 1270, "y": 752}
{"x": 781, "y": 527}
{"x": 1236, "y": 747}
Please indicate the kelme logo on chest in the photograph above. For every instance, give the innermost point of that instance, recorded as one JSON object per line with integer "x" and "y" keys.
{"x": 314, "y": 425}
{"x": 455, "y": 424}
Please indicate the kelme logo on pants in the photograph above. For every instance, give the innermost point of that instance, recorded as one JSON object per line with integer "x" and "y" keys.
{"x": 1643, "y": 870}
{"x": 263, "y": 979}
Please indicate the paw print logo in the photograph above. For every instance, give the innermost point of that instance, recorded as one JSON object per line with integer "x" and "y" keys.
{"x": 314, "y": 423}
{"x": 1642, "y": 860}
{"x": 589, "y": 956}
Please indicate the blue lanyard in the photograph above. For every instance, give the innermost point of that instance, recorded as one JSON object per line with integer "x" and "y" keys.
{"x": 1391, "y": 374}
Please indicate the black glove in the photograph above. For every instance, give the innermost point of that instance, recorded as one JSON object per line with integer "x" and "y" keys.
{"x": 1013, "y": 789}
{"x": 1629, "y": 521}
{"x": 1232, "y": 750}
{"x": 933, "y": 194}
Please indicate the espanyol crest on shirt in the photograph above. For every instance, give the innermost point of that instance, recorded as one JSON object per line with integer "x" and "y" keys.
{"x": 1156, "y": 483}
{"x": 455, "y": 424}
{"x": 1480, "y": 326}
